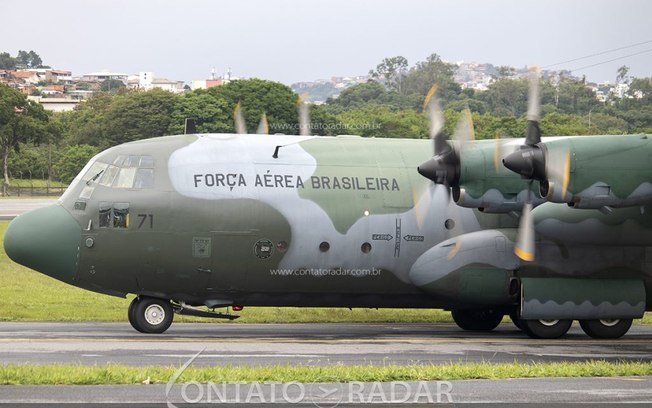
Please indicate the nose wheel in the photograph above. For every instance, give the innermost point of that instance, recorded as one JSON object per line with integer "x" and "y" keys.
{"x": 150, "y": 315}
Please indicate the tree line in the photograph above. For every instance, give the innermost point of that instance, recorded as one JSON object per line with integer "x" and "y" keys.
{"x": 39, "y": 144}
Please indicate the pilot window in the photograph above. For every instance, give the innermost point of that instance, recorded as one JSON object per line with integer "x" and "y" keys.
{"x": 109, "y": 176}
{"x": 116, "y": 215}
{"x": 144, "y": 178}
{"x": 125, "y": 178}
{"x": 129, "y": 172}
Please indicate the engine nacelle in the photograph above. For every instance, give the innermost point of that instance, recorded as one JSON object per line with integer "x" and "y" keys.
{"x": 470, "y": 268}
{"x": 612, "y": 171}
{"x": 485, "y": 183}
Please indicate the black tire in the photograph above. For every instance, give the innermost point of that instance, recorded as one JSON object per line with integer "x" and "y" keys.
{"x": 130, "y": 314}
{"x": 546, "y": 329}
{"x": 606, "y": 329}
{"x": 477, "y": 319}
{"x": 516, "y": 319}
{"x": 151, "y": 315}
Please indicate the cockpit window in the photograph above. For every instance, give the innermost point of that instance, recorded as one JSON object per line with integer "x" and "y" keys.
{"x": 135, "y": 172}
{"x": 109, "y": 175}
{"x": 118, "y": 160}
{"x": 144, "y": 178}
{"x": 125, "y": 178}
{"x": 146, "y": 161}
{"x": 132, "y": 161}
{"x": 94, "y": 172}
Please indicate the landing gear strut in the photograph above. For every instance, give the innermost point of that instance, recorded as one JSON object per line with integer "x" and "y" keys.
{"x": 477, "y": 319}
{"x": 150, "y": 315}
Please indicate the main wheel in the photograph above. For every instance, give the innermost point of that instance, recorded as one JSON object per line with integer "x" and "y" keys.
{"x": 130, "y": 314}
{"x": 606, "y": 329}
{"x": 546, "y": 329}
{"x": 515, "y": 319}
{"x": 150, "y": 315}
{"x": 477, "y": 319}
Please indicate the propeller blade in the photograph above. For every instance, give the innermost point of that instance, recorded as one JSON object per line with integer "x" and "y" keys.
{"x": 464, "y": 131}
{"x": 422, "y": 202}
{"x": 240, "y": 126}
{"x": 558, "y": 170}
{"x": 524, "y": 248}
{"x": 566, "y": 175}
{"x": 533, "y": 135}
{"x": 436, "y": 118}
{"x": 190, "y": 126}
{"x": 304, "y": 116}
{"x": 263, "y": 126}
{"x": 497, "y": 153}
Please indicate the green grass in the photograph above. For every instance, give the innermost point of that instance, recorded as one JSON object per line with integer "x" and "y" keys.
{"x": 38, "y": 183}
{"x": 27, "y": 295}
{"x": 120, "y": 374}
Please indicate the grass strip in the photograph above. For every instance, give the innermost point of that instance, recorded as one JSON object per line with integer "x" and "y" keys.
{"x": 112, "y": 374}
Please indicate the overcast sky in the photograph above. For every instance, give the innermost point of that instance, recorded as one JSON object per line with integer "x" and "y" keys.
{"x": 291, "y": 41}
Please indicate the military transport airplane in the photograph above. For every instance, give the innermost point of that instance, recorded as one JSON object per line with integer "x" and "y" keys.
{"x": 195, "y": 222}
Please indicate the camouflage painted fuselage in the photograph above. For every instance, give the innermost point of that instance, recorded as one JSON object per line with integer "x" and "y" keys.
{"x": 321, "y": 221}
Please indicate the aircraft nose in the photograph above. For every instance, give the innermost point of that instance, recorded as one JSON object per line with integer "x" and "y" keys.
{"x": 46, "y": 240}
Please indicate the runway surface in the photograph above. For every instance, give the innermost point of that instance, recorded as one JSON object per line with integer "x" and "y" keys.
{"x": 10, "y": 208}
{"x": 308, "y": 344}
{"x": 319, "y": 344}
{"x": 531, "y": 392}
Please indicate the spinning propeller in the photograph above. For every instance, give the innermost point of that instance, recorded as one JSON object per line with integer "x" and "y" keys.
{"x": 533, "y": 162}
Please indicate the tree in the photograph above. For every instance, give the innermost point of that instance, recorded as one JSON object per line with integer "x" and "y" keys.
{"x": 372, "y": 92}
{"x": 28, "y": 60}
{"x": 73, "y": 159}
{"x": 31, "y": 162}
{"x": 7, "y": 61}
{"x": 83, "y": 86}
{"x": 211, "y": 113}
{"x": 433, "y": 70}
{"x": 391, "y": 72}
{"x": 641, "y": 89}
{"x": 505, "y": 71}
{"x": 138, "y": 115}
{"x": 323, "y": 122}
{"x": 111, "y": 85}
{"x": 87, "y": 123}
{"x": 380, "y": 121}
{"x": 622, "y": 75}
{"x": 257, "y": 96}
{"x": 20, "y": 121}
{"x": 506, "y": 97}
{"x": 575, "y": 97}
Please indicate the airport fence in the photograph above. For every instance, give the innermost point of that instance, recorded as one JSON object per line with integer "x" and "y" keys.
{"x": 36, "y": 191}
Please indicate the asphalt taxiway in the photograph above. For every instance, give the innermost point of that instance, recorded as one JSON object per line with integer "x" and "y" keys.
{"x": 10, "y": 208}
{"x": 309, "y": 344}
{"x": 318, "y": 344}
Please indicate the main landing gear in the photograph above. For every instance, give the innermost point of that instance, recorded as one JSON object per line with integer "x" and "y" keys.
{"x": 489, "y": 319}
{"x": 150, "y": 315}
{"x": 477, "y": 319}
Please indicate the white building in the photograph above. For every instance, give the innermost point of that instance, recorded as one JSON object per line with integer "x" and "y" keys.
{"x": 104, "y": 75}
